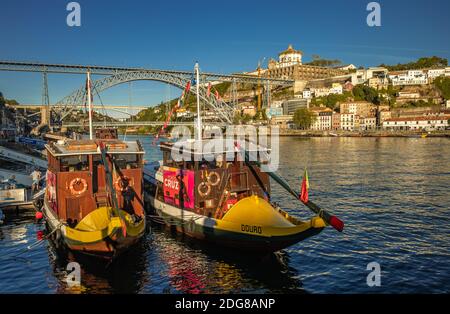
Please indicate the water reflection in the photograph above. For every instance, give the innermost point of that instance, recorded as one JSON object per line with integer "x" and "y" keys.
{"x": 391, "y": 193}
{"x": 126, "y": 275}
{"x": 195, "y": 267}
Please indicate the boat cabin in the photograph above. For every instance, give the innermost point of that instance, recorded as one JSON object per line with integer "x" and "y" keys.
{"x": 209, "y": 188}
{"x": 77, "y": 182}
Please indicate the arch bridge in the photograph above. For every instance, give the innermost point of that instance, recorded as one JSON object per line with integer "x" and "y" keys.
{"x": 119, "y": 75}
{"x": 65, "y": 106}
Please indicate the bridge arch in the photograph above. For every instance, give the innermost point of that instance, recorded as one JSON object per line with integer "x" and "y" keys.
{"x": 69, "y": 103}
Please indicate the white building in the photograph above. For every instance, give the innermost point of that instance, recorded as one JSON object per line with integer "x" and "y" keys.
{"x": 336, "y": 89}
{"x": 427, "y": 123}
{"x": 412, "y": 77}
{"x": 361, "y": 76}
{"x": 307, "y": 94}
{"x": 347, "y": 67}
{"x": 433, "y": 73}
{"x": 367, "y": 123}
{"x": 289, "y": 57}
{"x": 321, "y": 92}
{"x": 323, "y": 119}
{"x": 349, "y": 121}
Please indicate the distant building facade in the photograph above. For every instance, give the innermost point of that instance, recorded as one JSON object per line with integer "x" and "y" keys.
{"x": 291, "y": 106}
{"x": 323, "y": 119}
{"x": 427, "y": 123}
{"x": 361, "y": 108}
{"x": 349, "y": 121}
{"x": 290, "y": 66}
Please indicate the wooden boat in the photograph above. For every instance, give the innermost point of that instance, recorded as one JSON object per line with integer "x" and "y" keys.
{"x": 89, "y": 208}
{"x": 224, "y": 198}
{"x": 94, "y": 198}
{"x": 223, "y": 202}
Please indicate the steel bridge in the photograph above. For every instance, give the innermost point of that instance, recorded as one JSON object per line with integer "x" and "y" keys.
{"x": 111, "y": 70}
{"x": 119, "y": 75}
{"x": 127, "y": 110}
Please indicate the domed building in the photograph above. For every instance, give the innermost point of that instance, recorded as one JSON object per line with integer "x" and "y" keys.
{"x": 290, "y": 66}
{"x": 290, "y": 57}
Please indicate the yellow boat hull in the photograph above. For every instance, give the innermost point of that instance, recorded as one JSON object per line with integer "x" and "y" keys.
{"x": 99, "y": 233}
{"x": 252, "y": 224}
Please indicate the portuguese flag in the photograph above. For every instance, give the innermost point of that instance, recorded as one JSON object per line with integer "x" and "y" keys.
{"x": 304, "y": 188}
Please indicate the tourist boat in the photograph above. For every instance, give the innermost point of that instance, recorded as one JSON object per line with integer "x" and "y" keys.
{"x": 225, "y": 201}
{"x": 93, "y": 202}
{"x": 222, "y": 202}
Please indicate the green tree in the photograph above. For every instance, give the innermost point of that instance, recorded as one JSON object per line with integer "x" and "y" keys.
{"x": 443, "y": 84}
{"x": 317, "y": 61}
{"x": 303, "y": 118}
{"x": 421, "y": 63}
{"x": 260, "y": 115}
{"x": 367, "y": 93}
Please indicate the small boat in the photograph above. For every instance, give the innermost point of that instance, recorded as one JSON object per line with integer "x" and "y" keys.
{"x": 421, "y": 135}
{"x": 89, "y": 208}
{"x": 94, "y": 199}
{"x": 15, "y": 180}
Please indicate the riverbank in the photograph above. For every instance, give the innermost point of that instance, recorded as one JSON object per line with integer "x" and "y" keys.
{"x": 378, "y": 133}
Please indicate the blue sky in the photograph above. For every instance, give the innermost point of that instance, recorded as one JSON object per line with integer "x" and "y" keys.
{"x": 224, "y": 36}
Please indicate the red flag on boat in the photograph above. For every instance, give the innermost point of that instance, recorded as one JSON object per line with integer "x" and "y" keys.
{"x": 305, "y": 187}
{"x": 188, "y": 87}
{"x": 208, "y": 93}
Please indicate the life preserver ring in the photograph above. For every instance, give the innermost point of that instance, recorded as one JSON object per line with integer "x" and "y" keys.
{"x": 77, "y": 181}
{"x": 201, "y": 191}
{"x": 216, "y": 180}
{"x": 120, "y": 184}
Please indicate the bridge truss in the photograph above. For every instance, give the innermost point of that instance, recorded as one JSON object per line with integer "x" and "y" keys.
{"x": 119, "y": 75}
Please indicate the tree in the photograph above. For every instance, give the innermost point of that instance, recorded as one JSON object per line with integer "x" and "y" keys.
{"x": 317, "y": 61}
{"x": 260, "y": 115}
{"x": 443, "y": 84}
{"x": 303, "y": 118}
{"x": 367, "y": 93}
{"x": 421, "y": 63}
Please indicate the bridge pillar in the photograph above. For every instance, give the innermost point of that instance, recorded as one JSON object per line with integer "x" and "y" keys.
{"x": 44, "y": 115}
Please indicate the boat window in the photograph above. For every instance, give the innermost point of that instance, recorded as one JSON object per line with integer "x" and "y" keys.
{"x": 74, "y": 163}
{"x": 127, "y": 161}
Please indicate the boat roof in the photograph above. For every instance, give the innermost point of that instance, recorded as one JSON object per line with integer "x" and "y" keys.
{"x": 228, "y": 146}
{"x": 91, "y": 147}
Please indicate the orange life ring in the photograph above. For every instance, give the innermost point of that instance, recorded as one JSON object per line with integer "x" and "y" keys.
{"x": 120, "y": 184}
{"x": 77, "y": 181}
{"x": 201, "y": 192}
{"x": 216, "y": 180}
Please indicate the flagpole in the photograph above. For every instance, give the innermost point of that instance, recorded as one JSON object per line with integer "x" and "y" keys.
{"x": 89, "y": 103}
{"x": 199, "y": 122}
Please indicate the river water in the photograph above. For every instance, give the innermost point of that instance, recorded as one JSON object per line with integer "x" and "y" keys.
{"x": 392, "y": 193}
